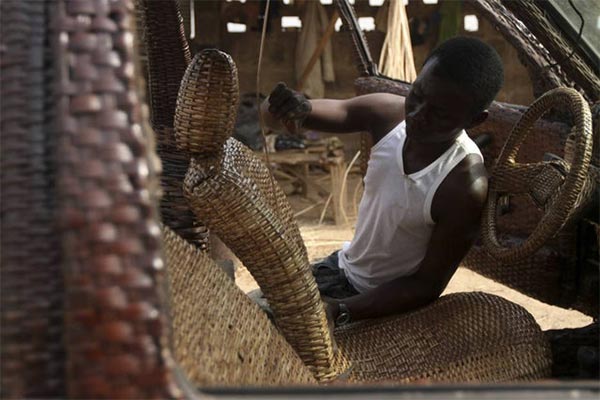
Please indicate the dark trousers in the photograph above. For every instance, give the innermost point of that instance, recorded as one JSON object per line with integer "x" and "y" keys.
{"x": 331, "y": 279}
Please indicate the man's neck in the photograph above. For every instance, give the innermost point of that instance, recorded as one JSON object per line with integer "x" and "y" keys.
{"x": 417, "y": 155}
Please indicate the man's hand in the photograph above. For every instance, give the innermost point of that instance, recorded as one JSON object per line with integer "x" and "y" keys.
{"x": 289, "y": 106}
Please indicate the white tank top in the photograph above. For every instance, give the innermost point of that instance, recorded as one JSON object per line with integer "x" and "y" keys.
{"x": 394, "y": 216}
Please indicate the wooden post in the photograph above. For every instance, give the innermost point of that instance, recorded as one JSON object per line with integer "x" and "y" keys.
{"x": 318, "y": 50}
{"x": 336, "y": 171}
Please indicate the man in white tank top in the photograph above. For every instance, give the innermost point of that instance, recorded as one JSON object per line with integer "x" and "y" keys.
{"x": 425, "y": 185}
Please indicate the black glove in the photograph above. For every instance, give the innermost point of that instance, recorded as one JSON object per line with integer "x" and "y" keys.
{"x": 289, "y": 106}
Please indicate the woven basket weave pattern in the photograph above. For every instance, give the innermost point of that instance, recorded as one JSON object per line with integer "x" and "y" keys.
{"x": 168, "y": 57}
{"x": 32, "y": 361}
{"x": 116, "y": 324}
{"x": 377, "y": 350}
{"x": 462, "y": 337}
{"x": 390, "y": 350}
{"x": 220, "y": 335}
{"x": 207, "y": 104}
{"x": 116, "y": 321}
{"x": 265, "y": 238}
{"x": 553, "y": 38}
{"x": 509, "y": 176}
{"x": 257, "y": 223}
{"x": 174, "y": 208}
{"x": 232, "y": 190}
{"x": 537, "y": 276}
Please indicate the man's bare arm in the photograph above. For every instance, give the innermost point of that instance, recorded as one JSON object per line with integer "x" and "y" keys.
{"x": 375, "y": 113}
{"x": 454, "y": 233}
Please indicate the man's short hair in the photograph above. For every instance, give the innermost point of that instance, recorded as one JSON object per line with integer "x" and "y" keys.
{"x": 472, "y": 64}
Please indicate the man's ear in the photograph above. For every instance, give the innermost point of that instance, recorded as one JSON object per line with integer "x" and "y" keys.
{"x": 478, "y": 119}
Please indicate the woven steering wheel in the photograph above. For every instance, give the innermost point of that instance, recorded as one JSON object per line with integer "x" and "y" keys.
{"x": 555, "y": 186}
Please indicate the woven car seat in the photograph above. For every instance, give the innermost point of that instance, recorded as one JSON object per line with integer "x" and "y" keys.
{"x": 460, "y": 337}
{"x": 221, "y": 337}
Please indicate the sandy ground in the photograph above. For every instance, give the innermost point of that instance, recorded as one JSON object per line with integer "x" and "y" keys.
{"x": 321, "y": 240}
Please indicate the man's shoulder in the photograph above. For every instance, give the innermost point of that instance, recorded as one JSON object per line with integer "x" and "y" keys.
{"x": 464, "y": 190}
{"x": 387, "y": 111}
{"x": 469, "y": 179}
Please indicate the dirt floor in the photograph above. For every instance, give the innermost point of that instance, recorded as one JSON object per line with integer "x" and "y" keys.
{"x": 322, "y": 239}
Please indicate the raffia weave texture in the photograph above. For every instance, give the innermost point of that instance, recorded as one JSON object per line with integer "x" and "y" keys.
{"x": 207, "y": 104}
{"x": 32, "y": 358}
{"x": 168, "y": 57}
{"x": 116, "y": 325}
{"x": 240, "y": 206}
{"x": 462, "y": 337}
{"x": 221, "y": 337}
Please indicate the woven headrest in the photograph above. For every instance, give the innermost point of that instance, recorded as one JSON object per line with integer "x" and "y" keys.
{"x": 207, "y": 104}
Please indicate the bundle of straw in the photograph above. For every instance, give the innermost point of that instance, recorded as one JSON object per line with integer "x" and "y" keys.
{"x": 396, "y": 59}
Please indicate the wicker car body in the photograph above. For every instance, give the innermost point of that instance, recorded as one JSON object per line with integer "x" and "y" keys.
{"x": 94, "y": 226}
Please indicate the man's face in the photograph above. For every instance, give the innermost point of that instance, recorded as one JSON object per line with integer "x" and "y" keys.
{"x": 436, "y": 109}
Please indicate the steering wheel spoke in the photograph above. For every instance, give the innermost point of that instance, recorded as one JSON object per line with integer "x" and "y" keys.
{"x": 541, "y": 181}
{"x": 548, "y": 183}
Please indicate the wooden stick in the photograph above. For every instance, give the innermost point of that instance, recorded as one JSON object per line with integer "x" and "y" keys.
{"x": 318, "y": 50}
{"x": 343, "y": 189}
{"x": 283, "y": 175}
{"x": 307, "y": 209}
{"x": 355, "y": 198}
{"x": 325, "y": 209}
